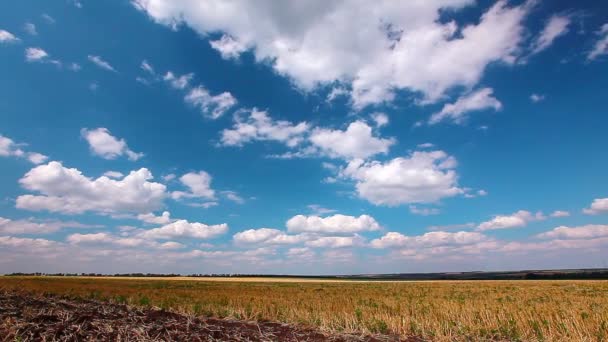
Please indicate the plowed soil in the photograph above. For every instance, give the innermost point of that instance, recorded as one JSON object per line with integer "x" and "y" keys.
{"x": 28, "y": 317}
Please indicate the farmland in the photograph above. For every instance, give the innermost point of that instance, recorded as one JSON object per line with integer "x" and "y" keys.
{"x": 442, "y": 310}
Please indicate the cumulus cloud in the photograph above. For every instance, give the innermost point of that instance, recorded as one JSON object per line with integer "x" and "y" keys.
{"x": 456, "y": 112}
{"x": 336, "y": 241}
{"x": 556, "y": 26}
{"x": 422, "y": 177}
{"x": 516, "y": 220}
{"x": 380, "y": 119}
{"x": 233, "y": 196}
{"x": 68, "y": 191}
{"x": 7, "y": 37}
{"x": 34, "y": 54}
{"x": 599, "y": 206}
{"x": 199, "y": 184}
{"x": 113, "y": 174}
{"x": 100, "y": 62}
{"x": 107, "y": 146}
{"x": 185, "y": 229}
{"x": 177, "y": 82}
{"x": 8, "y": 148}
{"x": 431, "y": 239}
{"x": 560, "y": 213}
{"x": 164, "y": 218}
{"x": 537, "y": 98}
{"x": 374, "y": 49}
{"x": 357, "y": 141}
{"x": 30, "y": 28}
{"x": 338, "y": 223}
{"x": 212, "y": 106}
{"x": 600, "y": 47}
{"x": 258, "y": 125}
{"x": 590, "y": 231}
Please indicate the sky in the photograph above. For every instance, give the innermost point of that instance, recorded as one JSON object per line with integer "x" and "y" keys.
{"x": 317, "y": 137}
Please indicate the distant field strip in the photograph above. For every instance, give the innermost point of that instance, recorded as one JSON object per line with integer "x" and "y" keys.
{"x": 439, "y": 310}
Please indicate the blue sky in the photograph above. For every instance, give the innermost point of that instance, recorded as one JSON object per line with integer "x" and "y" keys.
{"x": 304, "y": 138}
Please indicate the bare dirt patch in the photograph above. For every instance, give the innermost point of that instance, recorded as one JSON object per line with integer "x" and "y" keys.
{"x": 28, "y": 317}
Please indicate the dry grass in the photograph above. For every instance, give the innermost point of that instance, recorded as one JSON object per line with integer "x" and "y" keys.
{"x": 454, "y": 310}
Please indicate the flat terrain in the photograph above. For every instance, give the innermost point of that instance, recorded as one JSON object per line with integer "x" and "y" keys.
{"x": 440, "y": 310}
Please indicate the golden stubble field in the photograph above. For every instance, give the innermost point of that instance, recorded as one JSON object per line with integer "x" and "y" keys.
{"x": 439, "y": 310}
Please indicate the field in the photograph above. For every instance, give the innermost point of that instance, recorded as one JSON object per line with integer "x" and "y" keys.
{"x": 441, "y": 310}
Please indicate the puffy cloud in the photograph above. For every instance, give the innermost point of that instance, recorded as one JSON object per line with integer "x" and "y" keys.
{"x": 107, "y": 146}
{"x": 373, "y": 48}
{"x": 332, "y": 224}
{"x": 357, "y": 141}
{"x": 199, "y": 184}
{"x": 423, "y": 177}
{"x": 102, "y": 238}
{"x": 171, "y": 245}
{"x": 431, "y": 239}
{"x": 100, "y": 62}
{"x": 30, "y": 28}
{"x": 456, "y": 112}
{"x": 34, "y": 54}
{"x": 153, "y": 219}
{"x": 8, "y": 148}
{"x": 259, "y": 126}
{"x": 67, "y": 190}
{"x": 213, "y": 106}
{"x": 269, "y": 236}
{"x": 515, "y": 220}
{"x": 556, "y": 26}
{"x": 31, "y": 226}
{"x": 560, "y": 213}
{"x": 113, "y": 174}
{"x": 336, "y": 241}
{"x": 583, "y": 232}
{"x": 7, "y": 37}
{"x": 228, "y": 47}
{"x": 177, "y": 82}
{"x": 27, "y": 244}
{"x": 599, "y": 206}
{"x": 185, "y": 229}
{"x": 600, "y": 47}
{"x": 380, "y": 119}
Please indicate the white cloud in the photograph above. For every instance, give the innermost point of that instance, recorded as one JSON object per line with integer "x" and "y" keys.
{"x": 30, "y": 28}
{"x": 332, "y": 224}
{"x": 319, "y": 210}
{"x": 456, "y": 112}
{"x": 335, "y": 93}
{"x": 228, "y": 47}
{"x": 74, "y": 67}
{"x": 153, "y": 219}
{"x": 107, "y": 238}
{"x": 147, "y": 67}
{"x": 199, "y": 184}
{"x": 599, "y": 206}
{"x": 600, "y": 47}
{"x": 171, "y": 245}
{"x": 8, "y": 148}
{"x": 537, "y": 98}
{"x": 426, "y": 145}
{"x": 32, "y": 226}
{"x": 336, "y": 241}
{"x": 259, "y": 126}
{"x": 357, "y": 141}
{"x": 233, "y": 196}
{"x": 423, "y": 211}
{"x": 591, "y": 231}
{"x": 212, "y": 106}
{"x": 67, "y": 190}
{"x": 380, "y": 119}
{"x": 431, "y": 239}
{"x": 34, "y": 54}
{"x": 256, "y": 235}
{"x": 100, "y": 62}
{"x": 177, "y": 82}
{"x": 560, "y": 213}
{"x": 113, "y": 174}
{"x": 556, "y": 26}
{"x": 423, "y": 177}
{"x": 7, "y": 37}
{"x": 374, "y": 48}
{"x": 185, "y": 229}
{"x": 107, "y": 146}
{"x": 516, "y": 220}
{"x": 48, "y": 18}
